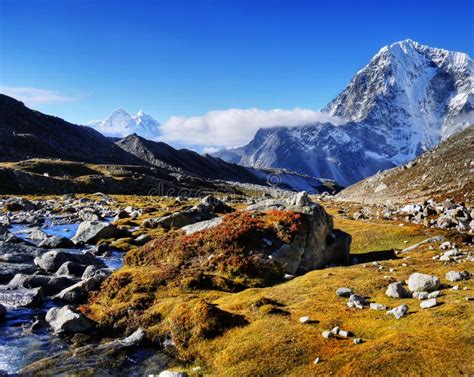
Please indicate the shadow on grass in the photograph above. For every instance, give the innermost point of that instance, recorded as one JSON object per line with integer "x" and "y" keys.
{"x": 373, "y": 256}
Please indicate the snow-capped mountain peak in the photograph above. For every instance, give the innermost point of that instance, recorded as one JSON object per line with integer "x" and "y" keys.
{"x": 120, "y": 123}
{"x": 406, "y": 100}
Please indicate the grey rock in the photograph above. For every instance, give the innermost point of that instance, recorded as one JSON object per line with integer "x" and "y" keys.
{"x": 375, "y": 306}
{"x": 9, "y": 270}
{"x": 396, "y": 290}
{"x": 356, "y": 301}
{"x": 344, "y": 292}
{"x": 428, "y": 303}
{"x": 56, "y": 242}
{"x": 434, "y": 294}
{"x": 171, "y": 373}
{"x": 358, "y": 341}
{"x": 18, "y": 253}
{"x": 71, "y": 269}
{"x": 457, "y": 275}
{"x": 52, "y": 260}
{"x": 202, "y": 225}
{"x": 93, "y": 271}
{"x": 91, "y": 232}
{"x": 423, "y": 282}
{"x": 327, "y": 334}
{"x": 15, "y": 297}
{"x": 420, "y": 295}
{"x": 399, "y": 311}
{"x": 67, "y": 321}
{"x": 78, "y": 292}
{"x": 50, "y": 285}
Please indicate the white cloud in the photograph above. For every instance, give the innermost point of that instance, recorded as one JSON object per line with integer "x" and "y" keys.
{"x": 35, "y": 96}
{"x": 235, "y": 127}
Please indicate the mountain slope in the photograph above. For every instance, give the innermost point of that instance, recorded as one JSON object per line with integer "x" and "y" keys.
{"x": 120, "y": 123}
{"x": 445, "y": 171}
{"x": 25, "y": 133}
{"x": 404, "y": 102}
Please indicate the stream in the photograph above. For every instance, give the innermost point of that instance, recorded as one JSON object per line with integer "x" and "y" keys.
{"x": 19, "y": 346}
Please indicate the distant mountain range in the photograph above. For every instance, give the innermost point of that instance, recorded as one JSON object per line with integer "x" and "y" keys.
{"x": 120, "y": 123}
{"x": 27, "y": 134}
{"x": 404, "y": 102}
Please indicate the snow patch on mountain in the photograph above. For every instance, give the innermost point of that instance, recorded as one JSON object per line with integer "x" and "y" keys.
{"x": 120, "y": 123}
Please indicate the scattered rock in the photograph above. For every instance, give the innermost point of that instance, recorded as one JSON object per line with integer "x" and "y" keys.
{"x": 375, "y": 306}
{"x": 51, "y": 285}
{"x": 396, "y": 290}
{"x": 91, "y": 232}
{"x": 356, "y": 301}
{"x": 418, "y": 282}
{"x": 54, "y": 259}
{"x": 78, "y": 292}
{"x": 399, "y": 311}
{"x": 304, "y": 319}
{"x": 428, "y": 303}
{"x": 56, "y": 242}
{"x": 344, "y": 292}
{"x": 358, "y": 341}
{"x": 327, "y": 334}
{"x": 457, "y": 276}
{"x": 171, "y": 373}
{"x": 71, "y": 269}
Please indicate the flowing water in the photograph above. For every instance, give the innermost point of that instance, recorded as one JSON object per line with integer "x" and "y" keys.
{"x": 19, "y": 346}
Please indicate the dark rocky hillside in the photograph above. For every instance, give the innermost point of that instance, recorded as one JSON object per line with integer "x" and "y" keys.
{"x": 25, "y": 134}
{"x": 447, "y": 171}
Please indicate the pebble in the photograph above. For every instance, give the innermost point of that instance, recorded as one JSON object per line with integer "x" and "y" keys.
{"x": 317, "y": 360}
{"x": 434, "y": 294}
{"x": 457, "y": 276}
{"x": 358, "y": 341}
{"x": 356, "y": 301}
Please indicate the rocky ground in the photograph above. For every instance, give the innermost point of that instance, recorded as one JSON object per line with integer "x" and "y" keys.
{"x": 245, "y": 286}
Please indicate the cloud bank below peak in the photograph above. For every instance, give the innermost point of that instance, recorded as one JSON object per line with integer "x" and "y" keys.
{"x": 235, "y": 127}
{"x": 36, "y": 96}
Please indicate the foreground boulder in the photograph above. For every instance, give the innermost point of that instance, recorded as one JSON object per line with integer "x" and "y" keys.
{"x": 67, "y": 321}
{"x": 318, "y": 246}
{"x": 15, "y": 297}
{"x": 91, "y": 232}
{"x": 54, "y": 259}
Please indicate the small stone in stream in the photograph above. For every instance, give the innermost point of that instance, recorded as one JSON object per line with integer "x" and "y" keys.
{"x": 304, "y": 319}
{"x": 375, "y": 306}
{"x": 344, "y": 292}
{"x": 396, "y": 290}
{"x": 66, "y": 320}
{"x": 428, "y": 303}
{"x": 78, "y": 292}
{"x": 356, "y": 301}
{"x": 71, "y": 269}
{"x": 92, "y": 232}
{"x": 327, "y": 334}
{"x": 434, "y": 294}
{"x": 358, "y": 341}
{"x": 399, "y": 311}
{"x": 423, "y": 283}
{"x": 457, "y": 276}
{"x": 3, "y": 312}
{"x": 171, "y": 373}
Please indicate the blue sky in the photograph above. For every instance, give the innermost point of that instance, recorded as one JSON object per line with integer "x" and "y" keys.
{"x": 183, "y": 57}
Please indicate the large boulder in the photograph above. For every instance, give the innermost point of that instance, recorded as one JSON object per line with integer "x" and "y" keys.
{"x": 54, "y": 259}
{"x": 418, "y": 282}
{"x": 67, "y": 321}
{"x": 91, "y": 232}
{"x": 14, "y": 297}
{"x": 319, "y": 246}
